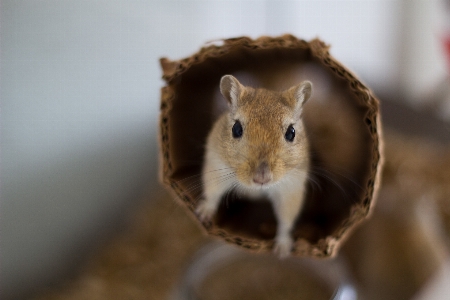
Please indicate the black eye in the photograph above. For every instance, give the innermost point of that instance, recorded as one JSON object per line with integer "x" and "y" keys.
{"x": 237, "y": 130}
{"x": 290, "y": 134}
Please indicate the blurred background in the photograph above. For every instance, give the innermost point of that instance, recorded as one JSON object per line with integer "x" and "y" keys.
{"x": 80, "y": 86}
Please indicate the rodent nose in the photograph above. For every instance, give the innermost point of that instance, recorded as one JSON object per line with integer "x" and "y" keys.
{"x": 262, "y": 174}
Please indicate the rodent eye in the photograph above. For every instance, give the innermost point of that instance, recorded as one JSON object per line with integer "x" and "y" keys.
{"x": 237, "y": 130}
{"x": 290, "y": 134}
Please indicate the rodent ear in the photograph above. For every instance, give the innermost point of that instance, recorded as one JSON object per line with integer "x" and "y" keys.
{"x": 231, "y": 89}
{"x": 301, "y": 93}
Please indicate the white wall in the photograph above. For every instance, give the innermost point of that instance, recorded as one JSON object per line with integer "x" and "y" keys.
{"x": 422, "y": 64}
{"x": 79, "y": 95}
{"x": 80, "y": 86}
{"x": 362, "y": 34}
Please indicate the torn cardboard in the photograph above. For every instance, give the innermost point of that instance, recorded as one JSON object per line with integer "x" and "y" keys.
{"x": 341, "y": 119}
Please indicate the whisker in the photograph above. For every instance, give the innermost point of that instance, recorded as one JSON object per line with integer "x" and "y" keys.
{"x": 200, "y": 174}
{"x": 229, "y": 193}
{"x": 219, "y": 179}
{"x": 197, "y": 186}
{"x": 341, "y": 172}
{"x": 331, "y": 178}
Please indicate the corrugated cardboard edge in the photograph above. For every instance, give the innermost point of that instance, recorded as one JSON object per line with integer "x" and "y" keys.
{"x": 325, "y": 247}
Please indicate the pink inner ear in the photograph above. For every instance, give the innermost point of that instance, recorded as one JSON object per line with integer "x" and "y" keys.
{"x": 304, "y": 92}
{"x": 234, "y": 92}
{"x": 230, "y": 89}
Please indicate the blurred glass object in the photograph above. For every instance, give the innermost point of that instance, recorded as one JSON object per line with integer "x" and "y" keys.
{"x": 222, "y": 271}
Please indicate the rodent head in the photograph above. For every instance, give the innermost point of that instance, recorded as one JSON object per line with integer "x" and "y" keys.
{"x": 263, "y": 138}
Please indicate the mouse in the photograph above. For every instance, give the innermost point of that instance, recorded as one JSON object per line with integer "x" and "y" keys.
{"x": 259, "y": 149}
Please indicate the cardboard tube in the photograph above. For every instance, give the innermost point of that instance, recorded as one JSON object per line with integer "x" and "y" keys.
{"x": 341, "y": 119}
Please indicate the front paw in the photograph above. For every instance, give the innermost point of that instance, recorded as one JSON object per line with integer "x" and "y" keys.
{"x": 205, "y": 211}
{"x": 283, "y": 247}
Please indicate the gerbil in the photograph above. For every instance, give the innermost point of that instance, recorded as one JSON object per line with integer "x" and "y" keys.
{"x": 259, "y": 148}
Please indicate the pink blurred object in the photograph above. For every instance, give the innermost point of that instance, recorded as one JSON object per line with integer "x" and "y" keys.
{"x": 446, "y": 35}
{"x": 446, "y": 42}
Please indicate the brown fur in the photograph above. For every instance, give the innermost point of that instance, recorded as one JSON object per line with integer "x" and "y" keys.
{"x": 262, "y": 139}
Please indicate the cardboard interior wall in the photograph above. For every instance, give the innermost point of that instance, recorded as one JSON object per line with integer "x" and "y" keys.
{"x": 341, "y": 120}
